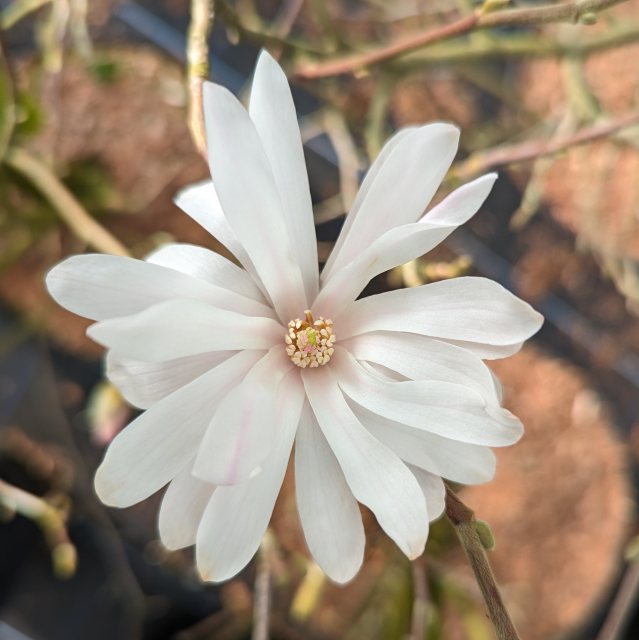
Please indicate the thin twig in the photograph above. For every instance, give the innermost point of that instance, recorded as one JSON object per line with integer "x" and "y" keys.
{"x": 197, "y": 70}
{"x": 623, "y": 606}
{"x": 421, "y": 601}
{"x": 482, "y": 161}
{"x": 562, "y": 12}
{"x": 463, "y": 520}
{"x": 18, "y": 10}
{"x": 50, "y": 521}
{"x": 68, "y": 208}
{"x": 514, "y": 46}
{"x": 262, "y": 595}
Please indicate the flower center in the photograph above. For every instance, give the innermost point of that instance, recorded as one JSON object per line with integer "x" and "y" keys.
{"x": 309, "y": 342}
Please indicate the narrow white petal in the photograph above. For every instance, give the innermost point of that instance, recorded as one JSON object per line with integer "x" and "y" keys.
{"x": 369, "y": 179}
{"x": 456, "y": 461}
{"x": 477, "y": 311}
{"x": 375, "y": 475}
{"x": 443, "y": 408}
{"x": 237, "y": 516}
{"x": 402, "y": 189}
{"x": 328, "y": 510}
{"x": 207, "y": 265}
{"x": 422, "y": 358}
{"x": 462, "y": 204}
{"x": 244, "y": 427}
{"x": 201, "y": 203}
{"x": 180, "y": 328}
{"x": 155, "y": 447}
{"x": 101, "y": 287}
{"x": 434, "y": 492}
{"x": 273, "y": 112}
{"x": 181, "y": 510}
{"x": 401, "y": 244}
{"x": 247, "y": 191}
{"x": 145, "y": 383}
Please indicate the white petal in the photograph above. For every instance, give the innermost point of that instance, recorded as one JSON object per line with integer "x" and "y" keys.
{"x": 180, "y": 328}
{"x": 434, "y": 492}
{"x": 237, "y": 516}
{"x": 443, "y": 408}
{"x": 477, "y": 311}
{"x": 201, "y": 203}
{"x": 246, "y": 188}
{"x": 273, "y": 112}
{"x": 181, "y": 510}
{"x": 145, "y": 383}
{"x": 155, "y": 447}
{"x": 375, "y": 475}
{"x": 402, "y": 189}
{"x": 367, "y": 183}
{"x": 456, "y": 461}
{"x": 422, "y": 358}
{"x": 401, "y": 244}
{"x": 207, "y": 265}
{"x": 328, "y": 511}
{"x": 244, "y": 427}
{"x": 101, "y": 287}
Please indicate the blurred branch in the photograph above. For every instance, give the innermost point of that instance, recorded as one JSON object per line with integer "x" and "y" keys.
{"x": 262, "y": 596}
{"x": 197, "y": 55}
{"x": 227, "y": 14}
{"x": 346, "y": 152}
{"x": 520, "y": 46}
{"x": 421, "y": 601}
{"x": 463, "y": 519}
{"x": 18, "y": 10}
{"x": 68, "y": 208}
{"x": 482, "y": 161}
{"x": 623, "y": 606}
{"x": 479, "y": 19}
{"x": 50, "y": 521}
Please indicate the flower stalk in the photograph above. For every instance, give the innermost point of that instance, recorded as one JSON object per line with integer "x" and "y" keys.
{"x": 463, "y": 520}
{"x": 197, "y": 55}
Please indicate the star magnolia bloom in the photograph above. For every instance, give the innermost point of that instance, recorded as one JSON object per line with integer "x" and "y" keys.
{"x": 382, "y": 396}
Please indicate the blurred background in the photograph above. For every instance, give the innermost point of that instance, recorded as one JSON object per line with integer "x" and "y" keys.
{"x": 94, "y": 143}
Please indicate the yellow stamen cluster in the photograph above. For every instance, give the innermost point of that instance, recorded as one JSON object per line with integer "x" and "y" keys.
{"x": 309, "y": 343}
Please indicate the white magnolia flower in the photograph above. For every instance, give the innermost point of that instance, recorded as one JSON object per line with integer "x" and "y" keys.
{"x": 382, "y": 396}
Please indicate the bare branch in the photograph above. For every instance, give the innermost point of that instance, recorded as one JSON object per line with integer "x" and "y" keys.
{"x": 69, "y": 209}
{"x": 197, "y": 71}
{"x": 562, "y": 12}
{"x": 463, "y": 519}
{"x": 483, "y": 161}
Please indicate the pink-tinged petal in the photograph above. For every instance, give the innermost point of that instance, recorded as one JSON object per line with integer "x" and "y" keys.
{"x": 248, "y": 193}
{"x": 181, "y": 510}
{"x": 422, "y": 358}
{"x": 155, "y": 447}
{"x": 273, "y": 113}
{"x": 200, "y": 202}
{"x": 244, "y": 427}
{"x": 207, "y": 265}
{"x": 476, "y": 311}
{"x": 236, "y": 517}
{"x": 181, "y": 328}
{"x": 434, "y": 492}
{"x": 102, "y": 287}
{"x": 328, "y": 510}
{"x": 401, "y": 191}
{"x": 375, "y": 475}
{"x": 401, "y": 244}
{"x": 142, "y": 384}
{"x": 456, "y": 461}
{"x": 449, "y": 410}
